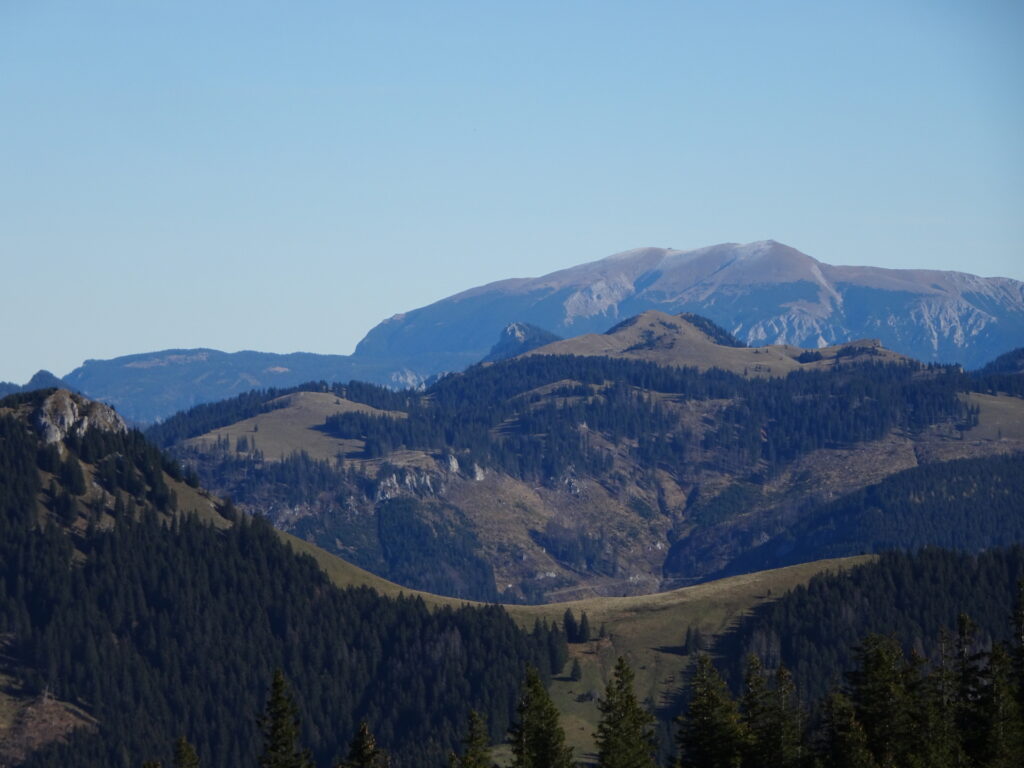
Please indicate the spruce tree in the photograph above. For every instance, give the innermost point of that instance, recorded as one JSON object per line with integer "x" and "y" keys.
{"x": 845, "y": 744}
{"x": 625, "y": 737}
{"x": 880, "y": 698}
{"x": 576, "y": 672}
{"x": 711, "y": 735}
{"x": 538, "y": 740}
{"x": 185, "y": 754}
{"x": 363, "y": 751}
{"x": 583, "y": 632}
{"x": 932, "y": 704}
{"x": 1002, "y": 743}
{"x": 476, "y": 751}
{"x": 970, "y": 717}
{"x": 572, "y": 629}
{"x": 772, "y": 717}
{"x": 280, "y": 726}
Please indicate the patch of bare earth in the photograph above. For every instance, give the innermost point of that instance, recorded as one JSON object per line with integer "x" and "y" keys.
{"x": 27, "y": 725}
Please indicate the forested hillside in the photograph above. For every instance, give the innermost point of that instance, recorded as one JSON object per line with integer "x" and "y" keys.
{"x": 553, "y": 477}
{"x": 914, "y": 597}
{"x": 157, "y": 624}
{"x": 966, "y": 504}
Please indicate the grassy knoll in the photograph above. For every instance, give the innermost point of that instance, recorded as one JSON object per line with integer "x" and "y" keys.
{"x": 293, "y": 427}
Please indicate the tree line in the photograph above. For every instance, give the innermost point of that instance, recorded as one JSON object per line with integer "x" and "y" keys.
{"x": 964, "y": 707}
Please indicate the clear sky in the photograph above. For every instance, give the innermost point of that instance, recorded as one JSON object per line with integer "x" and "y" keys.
{"x": 281, "y": 176}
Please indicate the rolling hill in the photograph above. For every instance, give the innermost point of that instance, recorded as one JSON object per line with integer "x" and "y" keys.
{"x": 664, "y": 339}
{"x": 560, "y": 476}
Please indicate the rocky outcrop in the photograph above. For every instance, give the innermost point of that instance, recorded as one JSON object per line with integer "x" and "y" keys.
{"x": 518, "y": 338}
{"x": 64, "y": 413}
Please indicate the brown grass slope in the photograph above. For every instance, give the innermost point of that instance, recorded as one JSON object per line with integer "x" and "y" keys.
{"x": 292, "y": 426}
{"x": 658, "y": 337}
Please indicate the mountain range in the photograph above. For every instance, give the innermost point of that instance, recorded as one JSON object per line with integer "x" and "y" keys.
{"x": 660, "y": 453}
{"x": 139, "y": 610}
{"x": 761, "y": 293}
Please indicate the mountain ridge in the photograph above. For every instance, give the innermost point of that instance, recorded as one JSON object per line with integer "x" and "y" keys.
{"x": 762, "y": 292}
{"x": 580, "y": 473}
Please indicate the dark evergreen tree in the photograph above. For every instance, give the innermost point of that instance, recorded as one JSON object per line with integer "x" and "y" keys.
{"x": 1002, "y": 742}
{"x": 537, "y": 739}
{"x": 583, "y": 632}
{"x": 881, "y": 699}
{"x": 711, "y": 733}
{"x": 363, "y": 751}
{"x": 185, "y": 754}
{"x": 572, "y": 628}
{"x": 772, "y": 718}
{"x": 844, "y": 744}
{"x": 625, "y": 734}
{"x": 968, "y": 668}
{"x": 280, "y": 726}
{"x": 476, "y": 746}
{"x": 72, "y": 476}
{"x": 931, "y": 697}
{"x": 576, "y": 673}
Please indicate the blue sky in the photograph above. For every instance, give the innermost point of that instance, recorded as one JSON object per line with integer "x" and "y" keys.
{"x": 282, "y": 176}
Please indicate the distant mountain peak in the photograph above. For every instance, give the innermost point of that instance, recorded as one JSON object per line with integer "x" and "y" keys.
{"x": 763, "y": 292}
{"x": 518, "y": 338}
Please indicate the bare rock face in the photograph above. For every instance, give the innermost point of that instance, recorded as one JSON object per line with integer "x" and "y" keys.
{"x": 63, "y": 413}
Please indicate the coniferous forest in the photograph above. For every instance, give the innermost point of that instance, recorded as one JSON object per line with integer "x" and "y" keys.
{"x": 163, "y": 626}
{"x": 914, "y": 660}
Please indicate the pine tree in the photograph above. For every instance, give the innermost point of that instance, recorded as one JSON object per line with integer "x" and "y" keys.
{"x": 931, "y": 700}
{"x": 711, "y": 735}
{"x": 1002, "y": 742}
{"x": 772, "y": 718}
{"x": 625, "y": 734}
{"x": 572, "y": 629}
{"x": 583, "y": 632}
{"x": 280, "y": 726}
{"x": 576, "y": 673}
{"x": 538, "y": 740}
{"x": 970, "y": 717}
{"x": 845, "y": 742}
{"x": 880, "y": 698}
{"x": 185, "y": 754}
{"x": 476, "y": 751}
{"x": 363, "y": 751}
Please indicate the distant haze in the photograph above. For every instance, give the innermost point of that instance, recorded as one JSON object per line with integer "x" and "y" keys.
{"x": 283, "y": 177}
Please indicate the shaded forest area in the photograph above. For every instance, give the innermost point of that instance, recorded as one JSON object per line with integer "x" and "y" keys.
{"x": 161, "y": 627}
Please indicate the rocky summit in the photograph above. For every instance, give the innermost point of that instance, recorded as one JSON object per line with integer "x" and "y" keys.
{"x": 762, "y": 292}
